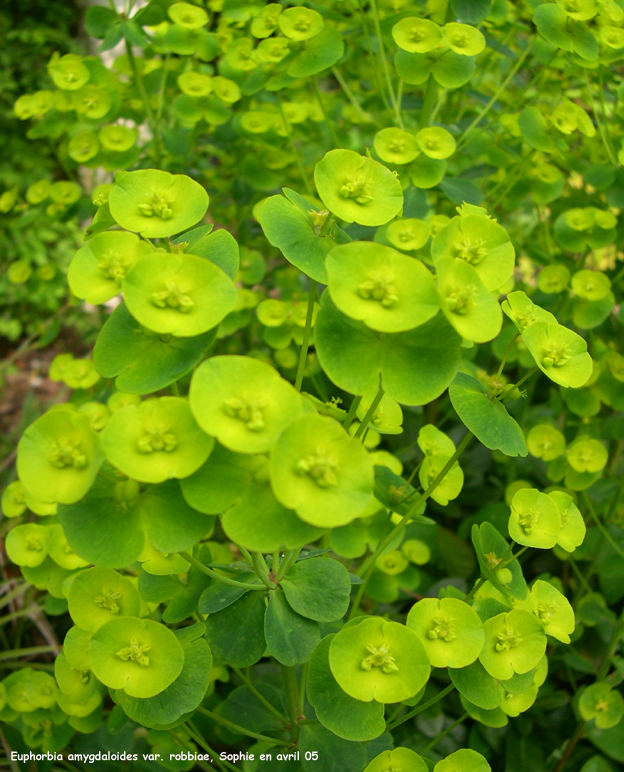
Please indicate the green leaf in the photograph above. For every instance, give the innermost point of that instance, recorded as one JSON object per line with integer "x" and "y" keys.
{"x": 476, "y": 685}
{"x": 490, "y": 547}
{"x": 290, "y": 637}
{"x": 343, "y": 715}
{"x": 172, "y": 525}
{"x": 534, "y": 129}
{"x": 184, "y": 694}
{"x": 236, "y": 634}
{"x": 415, "y": 366}
{"x": 552, "y": 23}
{"x": 140, "y": 360}
{"x": 489, "y": 421}
{"x": 471, "y": 11}
{"x": 219, "y": 246}
{"x": 334, "y": 753}
{"x": 98, "y": 19}
{"x": 291, "y": 230}
{"x": 104, "y": 531}
{"x": 318, "y": 589}
{"x": 321, "y": 52}
{"x": 460, "y": 190}
{"x": 245, "y": 709}
{"x": 219, "y": 595}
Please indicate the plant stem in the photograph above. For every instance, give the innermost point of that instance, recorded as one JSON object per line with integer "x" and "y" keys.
{"x": 513, "y": 386}
{"x": 196, "y": 736}
{"x": 603, "y": 529}
{"x": 352, "y": 412}
{"x": 33, "y": 608}
{"x": 287, "y": 563}
{"x": 370, "y": 413}
{"x": 240, "y": 729}
{"x": 328, "y": 123}
{"x": 378, "y": 78}
{"x": 292, "y": 697}
{"x": 224, "y": 579}
{"x": 260, "y": 570}
{"x": 506, "y": 354}
{"x": 601, "y": 125}
{"x": 414, "y": 508}
{"x": 421, "y": 708}
{"x": 293, "y": 147}
{"x": 259, "y": 695}
{"x": 429, "y": 103}
{"x": 302, "y": 687}
{"x": 9, "y": 596}
{"x": 30, "y": 652}
{"x": 384, "y": 62}
{"x": 349, "y": 94}
{"x": 303, "y": 355}
{"x": 443, "y": 734}
{"x": 571, "y": 745}
{"x": 327, "y": 223}
{"x": 138, "y": 79}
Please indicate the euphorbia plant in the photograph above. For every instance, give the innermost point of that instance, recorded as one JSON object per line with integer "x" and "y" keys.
{"x": 259, "y": 519}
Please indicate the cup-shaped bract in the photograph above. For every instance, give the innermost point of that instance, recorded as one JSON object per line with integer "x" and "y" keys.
{"x": 157, "y": 204}
{"x": 395, "y": 146}
{"x": 546, "y": 442}
{"x": 402, "y": 759}
{"x": 379, "y": 660}
{"x": 451, "y": 484}
{"x": 178, "y": 294}
{"x": 243, "y": 402}
{"x": 586, "y": 454}
{"x": 579, "y": 10}
{"x": 481, "y": 242}
{"x": 603, "y": 703}
{"x": 300, "y": 23}
{"x": 559, "y": 353}
{"x": 381, "y": 287}
{"x": 472, "y": 310}
{"x": 409, "y": 234}
{"x": 140, "y": 656}
{"x": 321, "y": 472}
{"x": 68, "y": 72}
{"x": 418, "y": 36}
{"x": 98, "y": 269}
{"x": 523, "y": 312}
{"x": 27, "y": 544}
{"x": 534, "y": 520}
{"x": 416, "y": 551}
{"x": 553, "y": 278}
{"x": 117, "y": 138}
{"x": 187, "y": 15}
{"x": 357, "y": 188}
{"x": 553, "y": 610}
{"x": 514, "y": 643}
{"x": 433, "y": 442}
{"x": 449, "y": 629}
{"x": 195, "y": 84}
{"x": 573, "y": 526}
{"x": 436, "y": 142}
{"x": 463, "y": 39}
{"x": 91, "y": 101}
{"x": 156, "y": 440}
{"x": 387, "y": 417}
{"x": 14, "y": 499}
{"x": 265, "y": 23}
{"x": 98, "y": 595}
{"x": 463, "y": 760}
{"x": 59, "y": 455}
{"x": 591, "y": 285}
{"x": 83, "y": 146}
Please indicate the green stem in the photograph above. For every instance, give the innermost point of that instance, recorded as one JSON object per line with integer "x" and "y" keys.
{"x": 601, "y": 126}
{"x": 292, "y": 697}
{"x": 570, "y": 746}
{"x": 441, "y": 695}
{"x": 259, "y": 695}
{"x": 369, "y": 413}
{"x": 429, "y": 103}
{"x": 196, "y": 736}
{"x": 175, "y": 389}
{"x": 414, "y": 508}
{"x": 302, "y": 688}
{"x": 21, "y": 613}
{"x": 506, "y": 354}
{"x": 513, "y": 386}
{"x": 384, "y": 62}
{"x": 9, "y": 596}
{"x": 349, "y": 94}
{"x": 287, "y": 563}
{"x": 224, "y": 579}
{"x": 603, "y": 529}
{"x": 240, "y": 729}
{"x": 352, "y": 413}
{"x": 492, "y": 101}
{"x": 138, "y": 79}
{"x": 327, "y": 223}
{"x": 303, "y": 355}
{"x": 328, "y": 123}
{"x": 30, "y": 652}
{"x": 443, "y": 734}
{"x": 293, "y": 147}
{"x": 613, "y": 644}
{"x": 261, "y": 570}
